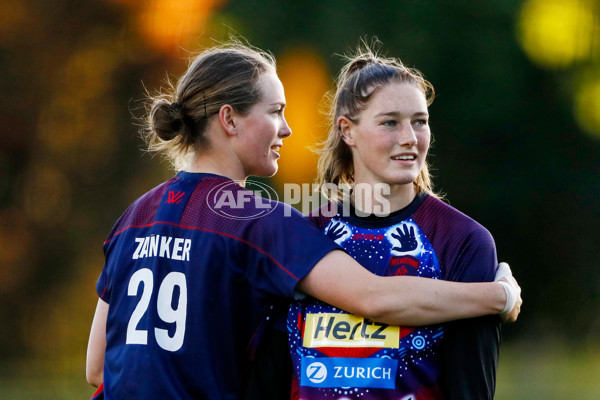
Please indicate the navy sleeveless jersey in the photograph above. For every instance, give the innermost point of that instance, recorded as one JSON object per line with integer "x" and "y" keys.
{"x": 192, "y": 270}
{"x": 341, "y": 356}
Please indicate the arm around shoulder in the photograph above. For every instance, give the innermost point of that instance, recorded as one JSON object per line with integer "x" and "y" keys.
{"x": 339, "y": 280}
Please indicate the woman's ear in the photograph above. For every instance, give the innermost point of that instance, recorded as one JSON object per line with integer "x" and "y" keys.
{"x": 345, "y": 130}
{"x": 227, "y": 119}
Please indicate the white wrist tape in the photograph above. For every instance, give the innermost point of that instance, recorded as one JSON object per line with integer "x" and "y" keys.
{"x": 511, "y": 287}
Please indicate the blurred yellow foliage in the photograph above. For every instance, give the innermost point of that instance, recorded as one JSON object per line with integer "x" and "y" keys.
{"x": 172, "y": 25}
{"x": 566, "y": 34}
{"x": 58, "y": 328}
{"x": 14, "y": 18}
{"x": 76, "y": 124}
{"x": 15, "y": 243}
{"x": 305, "y": 79}
{"x": 587, "y": 104}
{"x": 558, "y": 33}
{"x": 46, "y": 194}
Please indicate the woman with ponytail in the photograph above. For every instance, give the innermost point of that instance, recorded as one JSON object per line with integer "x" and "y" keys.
{"x": 391, "y": 221}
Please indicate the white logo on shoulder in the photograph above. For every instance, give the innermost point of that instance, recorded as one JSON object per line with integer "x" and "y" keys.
{"x": 163, "y": 246}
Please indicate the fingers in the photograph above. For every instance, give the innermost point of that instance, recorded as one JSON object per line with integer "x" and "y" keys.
{"x": 513, "y": 314}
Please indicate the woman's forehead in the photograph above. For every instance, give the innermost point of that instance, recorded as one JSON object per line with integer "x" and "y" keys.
{"x": 395, "y": 94}
{"x": 271, "y": 88}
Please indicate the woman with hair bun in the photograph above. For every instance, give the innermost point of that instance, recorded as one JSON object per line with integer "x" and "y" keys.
{"x": 195, "y": 266}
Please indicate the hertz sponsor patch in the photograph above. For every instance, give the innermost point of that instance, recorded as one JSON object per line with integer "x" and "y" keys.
{"x": 346, "y": 330}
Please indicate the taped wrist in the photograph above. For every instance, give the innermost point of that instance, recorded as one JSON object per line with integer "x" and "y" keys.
{"x": 511, "y": 296}
{"x": 511, "y": 288}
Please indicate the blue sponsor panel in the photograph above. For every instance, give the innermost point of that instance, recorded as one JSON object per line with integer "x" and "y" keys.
{"x": 349, "y": 372}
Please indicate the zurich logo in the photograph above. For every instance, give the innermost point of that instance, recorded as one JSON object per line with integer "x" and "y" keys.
{"x": 316, "y": 372}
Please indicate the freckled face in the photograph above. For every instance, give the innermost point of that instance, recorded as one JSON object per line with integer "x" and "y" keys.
{"x": 390, "y": 137}
{"x": 262, "y": 130}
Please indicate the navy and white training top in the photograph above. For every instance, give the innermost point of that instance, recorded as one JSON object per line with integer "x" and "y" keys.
{"x": 192, "y": 269}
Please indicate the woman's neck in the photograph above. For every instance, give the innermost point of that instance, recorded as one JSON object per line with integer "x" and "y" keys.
{"x": 382, "y": 199}
{"x": 218, "y": 164}
{"x": 217, "y": 155}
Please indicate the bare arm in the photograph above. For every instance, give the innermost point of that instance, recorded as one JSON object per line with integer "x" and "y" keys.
{"x": 411, "y": 301}
{"x": 94, "y": 368}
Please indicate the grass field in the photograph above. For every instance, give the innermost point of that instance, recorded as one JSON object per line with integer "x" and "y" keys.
{"x": 549, "y": 371}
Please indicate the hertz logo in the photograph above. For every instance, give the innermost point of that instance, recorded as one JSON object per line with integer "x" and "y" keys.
{"x": 346, "y": 330}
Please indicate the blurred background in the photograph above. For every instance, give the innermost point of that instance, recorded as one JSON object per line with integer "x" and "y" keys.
{"x": 516, "y": 124}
